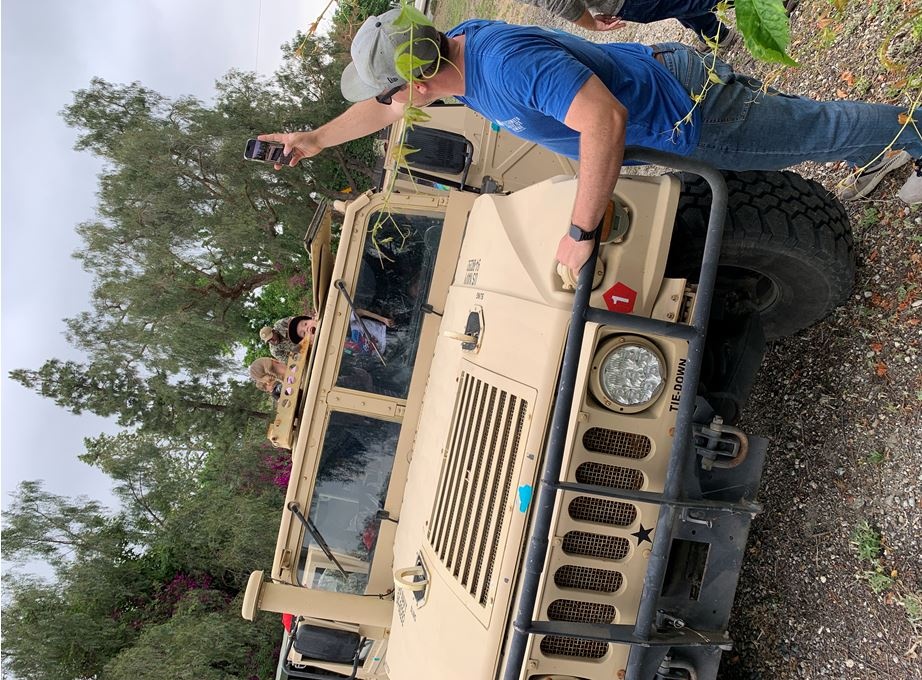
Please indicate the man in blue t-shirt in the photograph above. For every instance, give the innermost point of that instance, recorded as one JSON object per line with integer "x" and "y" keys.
{"x": 588, "y": 101}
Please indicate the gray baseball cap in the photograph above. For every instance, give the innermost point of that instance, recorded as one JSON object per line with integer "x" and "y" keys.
{"x": 374, "y": 50}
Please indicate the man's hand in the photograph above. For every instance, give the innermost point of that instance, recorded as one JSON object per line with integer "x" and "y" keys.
{"x": 573, "y": 254}
{"x": 600, "y": 22}
{"x": 298, "y": 144}
{"x": 606, "y": 22}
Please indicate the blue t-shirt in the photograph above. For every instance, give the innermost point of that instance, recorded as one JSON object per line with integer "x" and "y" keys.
{"x": 524, "y": 78}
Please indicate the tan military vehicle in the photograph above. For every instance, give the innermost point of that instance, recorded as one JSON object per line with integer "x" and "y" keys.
{"x": 494, "y": 475}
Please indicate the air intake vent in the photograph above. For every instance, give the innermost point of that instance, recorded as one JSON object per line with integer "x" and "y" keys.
{"x": 617, "y": 443}
{"x": 587, "y": 578}
{"x": 437, "y": 150}
{"x": 581, "y": 612}
{"x": 476, "y": 481}
{"x": 609, "y": 475}
{"x": 603, "y": 511}
{"x": 555, "y": 645}
{"x": 595, "y": 545}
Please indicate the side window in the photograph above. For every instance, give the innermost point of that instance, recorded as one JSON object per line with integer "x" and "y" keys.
{"x": 393, "y": 284}
{"x": 355, "y": 469}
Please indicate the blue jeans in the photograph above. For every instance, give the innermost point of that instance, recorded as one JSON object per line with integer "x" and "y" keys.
{"x": 744, "y": 128}
{"x": 698, "y": 15}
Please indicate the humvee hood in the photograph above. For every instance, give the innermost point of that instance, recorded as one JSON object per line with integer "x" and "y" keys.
{"x": 474, "y": 463}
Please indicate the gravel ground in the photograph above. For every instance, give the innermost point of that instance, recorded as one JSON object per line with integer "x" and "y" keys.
{"x": 840, "y": 402}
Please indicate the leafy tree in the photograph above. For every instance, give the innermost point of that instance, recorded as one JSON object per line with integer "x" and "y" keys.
{"x": 153, "y": 475}
{"x": 225, "y": 533}
{"x": 45, "y": 637}
{"x": 192, "y": 250}
{"x": 44, "y": 526}
{"x": 156, "y": 403}
{"x": 92, "y": 611}
{"x": 188, "y": 231}
{"x": 199, "y": 644}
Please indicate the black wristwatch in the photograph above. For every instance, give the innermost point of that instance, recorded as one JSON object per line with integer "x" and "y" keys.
{"x": 578, "y": 234}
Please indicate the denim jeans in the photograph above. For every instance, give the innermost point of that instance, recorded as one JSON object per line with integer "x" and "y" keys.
{"x": 744, "y": 128}
{"x": 698, "y": 15}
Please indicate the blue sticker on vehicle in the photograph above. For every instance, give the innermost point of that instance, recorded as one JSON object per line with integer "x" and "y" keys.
{"x": 525, "y": 493}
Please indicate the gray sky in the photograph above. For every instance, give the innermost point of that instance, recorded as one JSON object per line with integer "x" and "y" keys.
{"x": 49, "y": 49}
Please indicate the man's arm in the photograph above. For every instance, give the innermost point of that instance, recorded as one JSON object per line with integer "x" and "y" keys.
{"x": 577, "y": 12}
{"x": 599, "y": 22}
{"x": 365, "y": 314}
{"x": 360, "y": 119}
{"x": 601, "y": 121}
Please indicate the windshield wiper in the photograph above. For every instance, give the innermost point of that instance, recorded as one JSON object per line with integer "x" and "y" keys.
{"x": 342, "y": 288}
{"x": 318, "y": 538}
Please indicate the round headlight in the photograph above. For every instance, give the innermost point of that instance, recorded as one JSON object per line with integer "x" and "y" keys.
{"x": 628, "y": 373}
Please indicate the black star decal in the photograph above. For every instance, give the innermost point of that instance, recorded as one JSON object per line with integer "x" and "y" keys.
{"x": 643, "y": 535}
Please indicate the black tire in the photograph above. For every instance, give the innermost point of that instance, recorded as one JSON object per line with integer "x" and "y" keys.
{"x": 787, "y": 247}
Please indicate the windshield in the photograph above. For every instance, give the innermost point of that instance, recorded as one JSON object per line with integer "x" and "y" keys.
{"x": 355, "y": 467}
{"x": 392, "y": 287}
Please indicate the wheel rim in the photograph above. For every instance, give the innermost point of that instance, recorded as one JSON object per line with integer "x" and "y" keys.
{"x": 747, "y": 288}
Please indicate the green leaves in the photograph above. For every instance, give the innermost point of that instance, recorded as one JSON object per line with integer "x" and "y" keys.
{"x": 402, "y": 153}
{"x": 407, "y": 63}
{"x": 766, "y": 30}
{"x": 410, "y": 17}
{"x": 414, "y": 114}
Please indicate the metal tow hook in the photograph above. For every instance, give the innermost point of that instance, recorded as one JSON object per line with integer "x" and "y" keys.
{"x": 720, "y": 446}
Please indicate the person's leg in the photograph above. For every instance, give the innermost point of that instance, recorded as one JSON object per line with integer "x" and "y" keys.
{"x": 696, "y": 15}
{"x": 746, "y": 128}
{"x": 647, "y": 11}
{"x": 705, "y": 25}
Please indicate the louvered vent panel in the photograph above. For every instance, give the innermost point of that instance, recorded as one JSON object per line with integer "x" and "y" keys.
{"x": 588, "y": 578}
{"x": 556, "y": 645}
{"x": 595, "y": 545}
{"x": 581, "y": 612}
{"x": 476, "y": 481}
{"x": 617, "y": 443}
{"x": 612, "y": 476}
{"x": 590, "y": 509}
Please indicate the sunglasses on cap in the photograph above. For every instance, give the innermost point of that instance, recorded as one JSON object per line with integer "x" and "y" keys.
{"x": 387, "y": 97}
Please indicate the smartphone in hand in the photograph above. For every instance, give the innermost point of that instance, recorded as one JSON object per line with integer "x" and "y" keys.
{"x": 266, "y": 152}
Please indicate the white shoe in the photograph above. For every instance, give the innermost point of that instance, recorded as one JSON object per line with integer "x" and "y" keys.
{"x": 859, "y": 185}
{"x": 912, "y": 190}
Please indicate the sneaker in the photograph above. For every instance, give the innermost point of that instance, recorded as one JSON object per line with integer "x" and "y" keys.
{"x": 912, "y": 190}
{"x": 728, "y": 38}
{"x": 860, "y": 184}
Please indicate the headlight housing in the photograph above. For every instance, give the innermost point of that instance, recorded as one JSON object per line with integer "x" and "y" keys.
{"x": 628, "y": 373}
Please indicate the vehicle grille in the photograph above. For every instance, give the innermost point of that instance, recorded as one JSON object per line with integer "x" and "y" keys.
{"x": 595, "y": 545}
{"x": 476, "y": 482}
{"x": 588, "y": 578}
{"x": 617, "y": 443}
{"x": 581, "y": 612}
{"x": 612, "y": 476}
{"x": 555, "y": 645}
{"x": 603, "y": 511}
